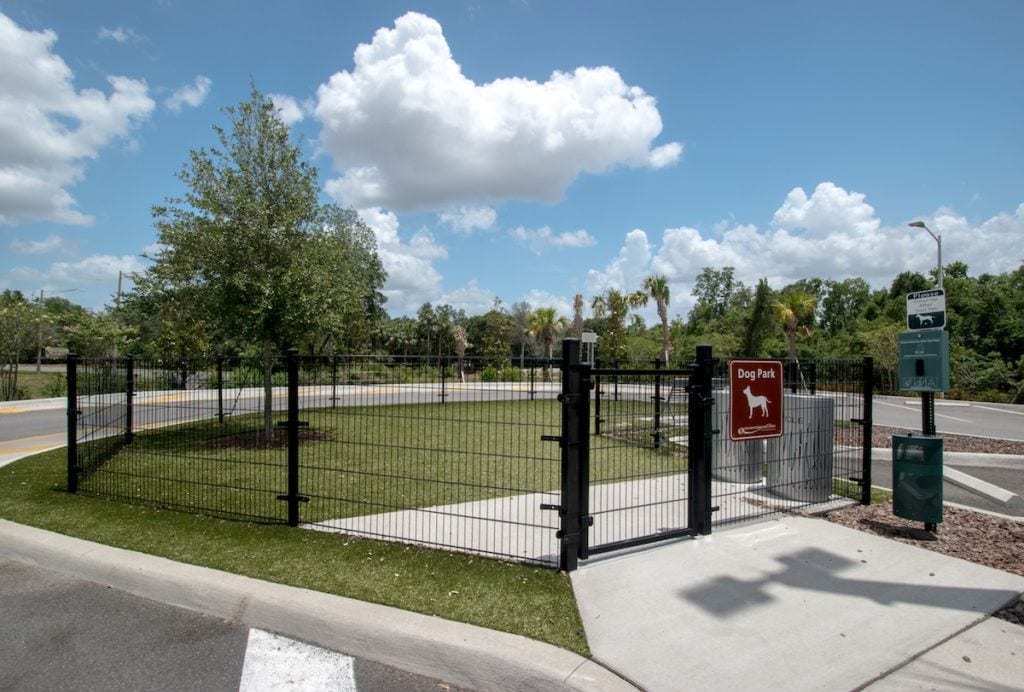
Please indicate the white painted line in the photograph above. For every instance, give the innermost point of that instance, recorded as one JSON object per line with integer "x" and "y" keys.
{"x": 1000, "y": 410}
{"x": 961, "y": 420}
{"x": 275, "y": 664}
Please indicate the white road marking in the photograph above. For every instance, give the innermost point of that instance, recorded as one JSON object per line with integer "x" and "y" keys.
{"x": 999, "y": 410}
{"x": 274, "y": 664}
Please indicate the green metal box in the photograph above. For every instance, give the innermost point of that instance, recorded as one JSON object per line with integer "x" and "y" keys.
{"x": 924, "y": 361}
{"x": 917, "y": 477}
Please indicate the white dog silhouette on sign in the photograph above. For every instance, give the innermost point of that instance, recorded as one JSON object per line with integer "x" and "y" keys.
{"x": 756, "y": 402}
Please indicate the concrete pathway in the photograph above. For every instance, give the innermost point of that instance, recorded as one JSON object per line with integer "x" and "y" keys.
{"x": 794, "y": 604}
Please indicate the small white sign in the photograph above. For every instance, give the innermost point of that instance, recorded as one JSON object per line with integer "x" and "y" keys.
{"x": 926, "y": 309}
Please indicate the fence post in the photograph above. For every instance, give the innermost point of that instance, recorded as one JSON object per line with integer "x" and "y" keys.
{"x": 575, "y": 464}
{"x": 220, "y": 389}
{"x": 812, "y": 375}
{"x": 657, "y": 404}
{"x": 868, "y": 375}
{"x": 443, "y": 365}
{"x": 597, "y": 399}
{"x": 293, "y": 498}
{"x": 72, "y": 412}
{"x": 129, "y": 395}
{"x": 334, "y": 380}
{"x": 533, "y": 391}
{"x": 699, "y": 445}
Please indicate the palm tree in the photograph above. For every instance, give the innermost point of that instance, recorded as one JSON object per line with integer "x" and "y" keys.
{"x": 792, "y": 309}
{"x": 615, "y": 307}
{"x": 546, "y": 324}
{"x": 656, "y": 287}
{"x": 577, "y": 315}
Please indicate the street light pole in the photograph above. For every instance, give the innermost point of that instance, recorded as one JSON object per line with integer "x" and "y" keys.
{"x": 938, "y": 241}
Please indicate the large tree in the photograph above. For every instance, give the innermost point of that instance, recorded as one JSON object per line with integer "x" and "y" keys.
{"x": 656, "y": 287}
{"x": 252, "y": 249}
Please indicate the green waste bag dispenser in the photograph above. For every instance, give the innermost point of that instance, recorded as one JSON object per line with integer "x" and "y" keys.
{"x": 917, "y": 478}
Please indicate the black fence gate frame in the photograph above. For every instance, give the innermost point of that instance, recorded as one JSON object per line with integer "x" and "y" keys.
{"x": 574, "y": 510}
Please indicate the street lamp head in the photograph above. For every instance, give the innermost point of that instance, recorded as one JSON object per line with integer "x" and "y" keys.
{"x": 918, "y": 224}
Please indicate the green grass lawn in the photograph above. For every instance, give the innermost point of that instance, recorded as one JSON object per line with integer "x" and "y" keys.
{"x": 367, "y": 460}
{"x": 531, "y": 601}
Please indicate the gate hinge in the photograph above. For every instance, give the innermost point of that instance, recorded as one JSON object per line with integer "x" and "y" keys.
{"x": 300, "y": 423}
{"x": 551, "y": 438}
{"x": 549, "y": 507}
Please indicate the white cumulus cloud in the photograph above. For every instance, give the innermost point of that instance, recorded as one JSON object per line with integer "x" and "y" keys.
{"x": 191, "y": 95}
{"x": 408, "y": 130}
{"x": 287, "y": 108}
{"x": 48, "y": 129}
{"x": 627, "y": 270}
{"x": 470, "y": 298}
{"x": 119, "y": 34}
{"x": 543, "y": 299}
{"x": 412, "y": 278}
{"x": 92, "y": 269}
{"x": 465, "y": 219}
{"x": 36, "y": 247}
{"x": 540, "y": 239}
{"x": 831, "y": 234}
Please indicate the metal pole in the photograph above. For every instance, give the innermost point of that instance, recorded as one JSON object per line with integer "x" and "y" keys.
{"x": 72, "y": 412}
{"x": 39, "y": 335}
{"x": 597, "y": 399}
{"x": 129, "y": 395}
{"x": 657, "y": 404}
{"x": 220, "y": 389}
{"x": 569, "y": 534}
{"x": 699, "y": 444}
{"x": 293, "y": 437}
{"x": 928, "y": 413}
{"x": 868, "y": 374}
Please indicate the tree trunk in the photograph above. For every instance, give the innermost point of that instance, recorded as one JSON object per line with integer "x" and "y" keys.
{"x": 268, "y": 390}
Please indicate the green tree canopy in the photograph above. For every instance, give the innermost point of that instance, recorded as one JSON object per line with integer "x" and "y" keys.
{"x": 250, "y": 248}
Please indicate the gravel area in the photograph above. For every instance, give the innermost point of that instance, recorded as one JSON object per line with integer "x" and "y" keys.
{"x": 881, "y": 436}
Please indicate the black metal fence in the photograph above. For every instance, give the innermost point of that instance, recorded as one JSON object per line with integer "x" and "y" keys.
{"x": 436, "y": 451}
{"x": 823, "y": 456}
{"x": 538, "y": 461}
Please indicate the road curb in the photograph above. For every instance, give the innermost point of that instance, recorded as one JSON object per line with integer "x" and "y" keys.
{"x": 465, "y": 655}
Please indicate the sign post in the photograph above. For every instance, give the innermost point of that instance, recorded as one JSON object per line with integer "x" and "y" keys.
{"x": 755, "y": 399}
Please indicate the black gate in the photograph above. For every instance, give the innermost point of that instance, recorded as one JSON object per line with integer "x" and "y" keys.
{"x": 636, "y": 449}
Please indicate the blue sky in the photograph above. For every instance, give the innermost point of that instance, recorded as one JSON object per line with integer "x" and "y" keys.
{"x": 533, "y": 150}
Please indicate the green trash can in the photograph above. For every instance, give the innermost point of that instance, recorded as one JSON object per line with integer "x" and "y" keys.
{"x": 917, "y": 477}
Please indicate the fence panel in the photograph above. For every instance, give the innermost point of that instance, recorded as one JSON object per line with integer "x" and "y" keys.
{"x": 638, "y": 457}
{"x": 181, "y": 456}
{"x": 818, "y": 461}
{"x": 432, "y": 451}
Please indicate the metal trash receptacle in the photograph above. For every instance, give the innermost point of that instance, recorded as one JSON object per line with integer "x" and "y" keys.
{"x": 917, "y": 477}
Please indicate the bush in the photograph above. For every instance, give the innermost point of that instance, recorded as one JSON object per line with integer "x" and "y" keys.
{"x": 503, "y": 374}
{"x": 55, "y": 387}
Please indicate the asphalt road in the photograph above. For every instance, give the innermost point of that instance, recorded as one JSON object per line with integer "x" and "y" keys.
{"x": 64, "y": 633}
{"x": 20, "y": 420}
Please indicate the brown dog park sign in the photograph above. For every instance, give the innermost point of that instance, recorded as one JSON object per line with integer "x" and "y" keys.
{"x": 755, "y": 399}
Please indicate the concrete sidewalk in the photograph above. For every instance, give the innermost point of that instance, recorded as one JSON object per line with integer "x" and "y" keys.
{"x": 799, "y": 604}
